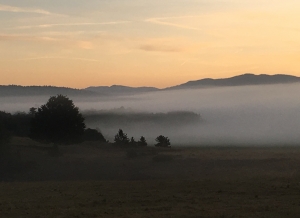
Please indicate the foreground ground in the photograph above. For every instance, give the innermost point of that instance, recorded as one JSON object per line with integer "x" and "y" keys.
{"x": 100, "y": 181}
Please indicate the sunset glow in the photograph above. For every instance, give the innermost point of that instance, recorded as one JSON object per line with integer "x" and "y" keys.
{"x": 145, "y": 43}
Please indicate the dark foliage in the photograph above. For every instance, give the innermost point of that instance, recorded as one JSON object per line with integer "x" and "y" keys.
{"x": 162, "y": 141}
{"x": 93, "y": 135}
{"x": 121, "y": 138}
{"x": 122, "y": 117}
{"x": 132, "y": 142}
{"x": 58, "y": 121}
{"x": 142, "y": 141}
{"x": 17, "y": 124}
{"x": 4, "y": 141}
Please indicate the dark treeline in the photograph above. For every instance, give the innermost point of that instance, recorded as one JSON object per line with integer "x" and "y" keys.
{"x": 59, "y": 122}
{"x": 17, "y": 124}
{"x": 125, "y": 118}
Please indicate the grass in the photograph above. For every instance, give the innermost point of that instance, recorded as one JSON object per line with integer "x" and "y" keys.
{"x": 100, "y": 181}
{"x": 158, "y": 198}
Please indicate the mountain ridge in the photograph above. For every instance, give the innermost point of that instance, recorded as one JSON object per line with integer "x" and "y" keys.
{"x": 239, "y": 80}
{"x": 120, "y": 88}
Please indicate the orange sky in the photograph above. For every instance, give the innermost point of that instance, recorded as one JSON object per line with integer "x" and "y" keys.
{"x": 145, "y": 43}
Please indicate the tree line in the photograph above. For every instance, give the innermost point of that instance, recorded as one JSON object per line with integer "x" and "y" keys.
{"x": 60, "y": 122}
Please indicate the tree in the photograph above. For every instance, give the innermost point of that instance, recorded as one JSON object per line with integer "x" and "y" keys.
{"x": 132, "y": 141}
{"x": 58, "y": 121}
{"x": 142, "y": 141}
{"x": 121, "y": 138}
{"x": 162, "y": 141}
{"x": 32, "y": 111}
{"x": 4, "y": 140}
{"x": 93, "y": 135}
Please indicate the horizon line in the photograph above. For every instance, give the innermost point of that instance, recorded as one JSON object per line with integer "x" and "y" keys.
{"x": 109, "y": 86}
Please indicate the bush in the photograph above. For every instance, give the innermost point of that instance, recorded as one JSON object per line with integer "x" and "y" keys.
{"x": 162, "y": 141}
{"x": 93, "y": 135}
{"x": 121, "y": 138}
{"x": 4, "y": 141}
{"x": 17, "y": 124}
{"x": 142, "y": 141}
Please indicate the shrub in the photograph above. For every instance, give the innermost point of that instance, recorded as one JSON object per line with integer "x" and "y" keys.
{"x": 142, "y": 141}
{"x": 4, "y": 141}
{"x": 162, "y": 141}
{"x": 121, "y": 138}
{"x": 132, "y": 142}
{"x": 93, "y": 135}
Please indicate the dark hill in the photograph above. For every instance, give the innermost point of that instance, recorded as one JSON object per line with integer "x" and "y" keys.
{"x": 118, "y": 89}
{"x": 15, "y": 90}
{"x": 241, "y": 80}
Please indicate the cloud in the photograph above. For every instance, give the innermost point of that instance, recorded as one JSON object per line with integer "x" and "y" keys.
{"x": 29, "y": 38}
{"x": 8, "y": 8}
{"x": 58, "y": 57}
{"x": 71, "y": 24}
{"x": 168, "y": 45}
{"x": 24, "y": 37}
{"x": 160, "y": 48}
{"x": 162, "y": 21}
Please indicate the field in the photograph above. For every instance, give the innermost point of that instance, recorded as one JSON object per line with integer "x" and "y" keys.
{"x": 91, "y": 180}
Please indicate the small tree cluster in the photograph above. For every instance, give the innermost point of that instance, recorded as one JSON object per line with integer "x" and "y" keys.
{"x": 142, "y": 141}
{"x": 162, "y": 141}
{"x": 121, "y": 138}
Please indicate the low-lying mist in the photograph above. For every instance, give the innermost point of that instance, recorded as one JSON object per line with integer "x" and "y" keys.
{"x": 245, "y": 115}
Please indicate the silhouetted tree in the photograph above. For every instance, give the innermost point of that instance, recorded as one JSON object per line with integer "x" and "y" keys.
{"x": 142, "y": 141}
{"x": 132, "y": 141}
{"x": 32, "y": 111}
{"x": 162, "y": 141}
{"x": 20, "y": 122}
{"x": 93, "y": 135}
{"x": 4, "y": 132}
{"x": 58, "y": 121}
{"x": 4, "y": 140}
{"x": 121, "y": 138}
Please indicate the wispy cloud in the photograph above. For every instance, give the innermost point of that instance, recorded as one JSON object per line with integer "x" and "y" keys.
{"x": 160, "y": 48}
{"x": 168, "y": 45}
{"x": 44, "y": 39}
{"x": 71, "y": 24}
{"x": 165, "y": 21}
{"x": 24, "y": 37}
{"x": 53, "y": 57}
{"x": 8, "y": 8}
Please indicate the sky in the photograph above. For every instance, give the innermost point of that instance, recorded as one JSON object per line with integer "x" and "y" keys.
{"x": 77, "y": 43}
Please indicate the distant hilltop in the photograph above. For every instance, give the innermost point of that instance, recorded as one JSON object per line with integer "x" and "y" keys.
{"x": 240, "y": 80}
{"x": 16, "y": 90}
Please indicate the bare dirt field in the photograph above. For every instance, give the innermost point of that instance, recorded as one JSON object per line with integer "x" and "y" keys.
{"x": 92, "y": 180}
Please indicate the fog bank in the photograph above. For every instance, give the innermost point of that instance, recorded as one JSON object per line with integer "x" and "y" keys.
{"x": 246, "y": 115}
